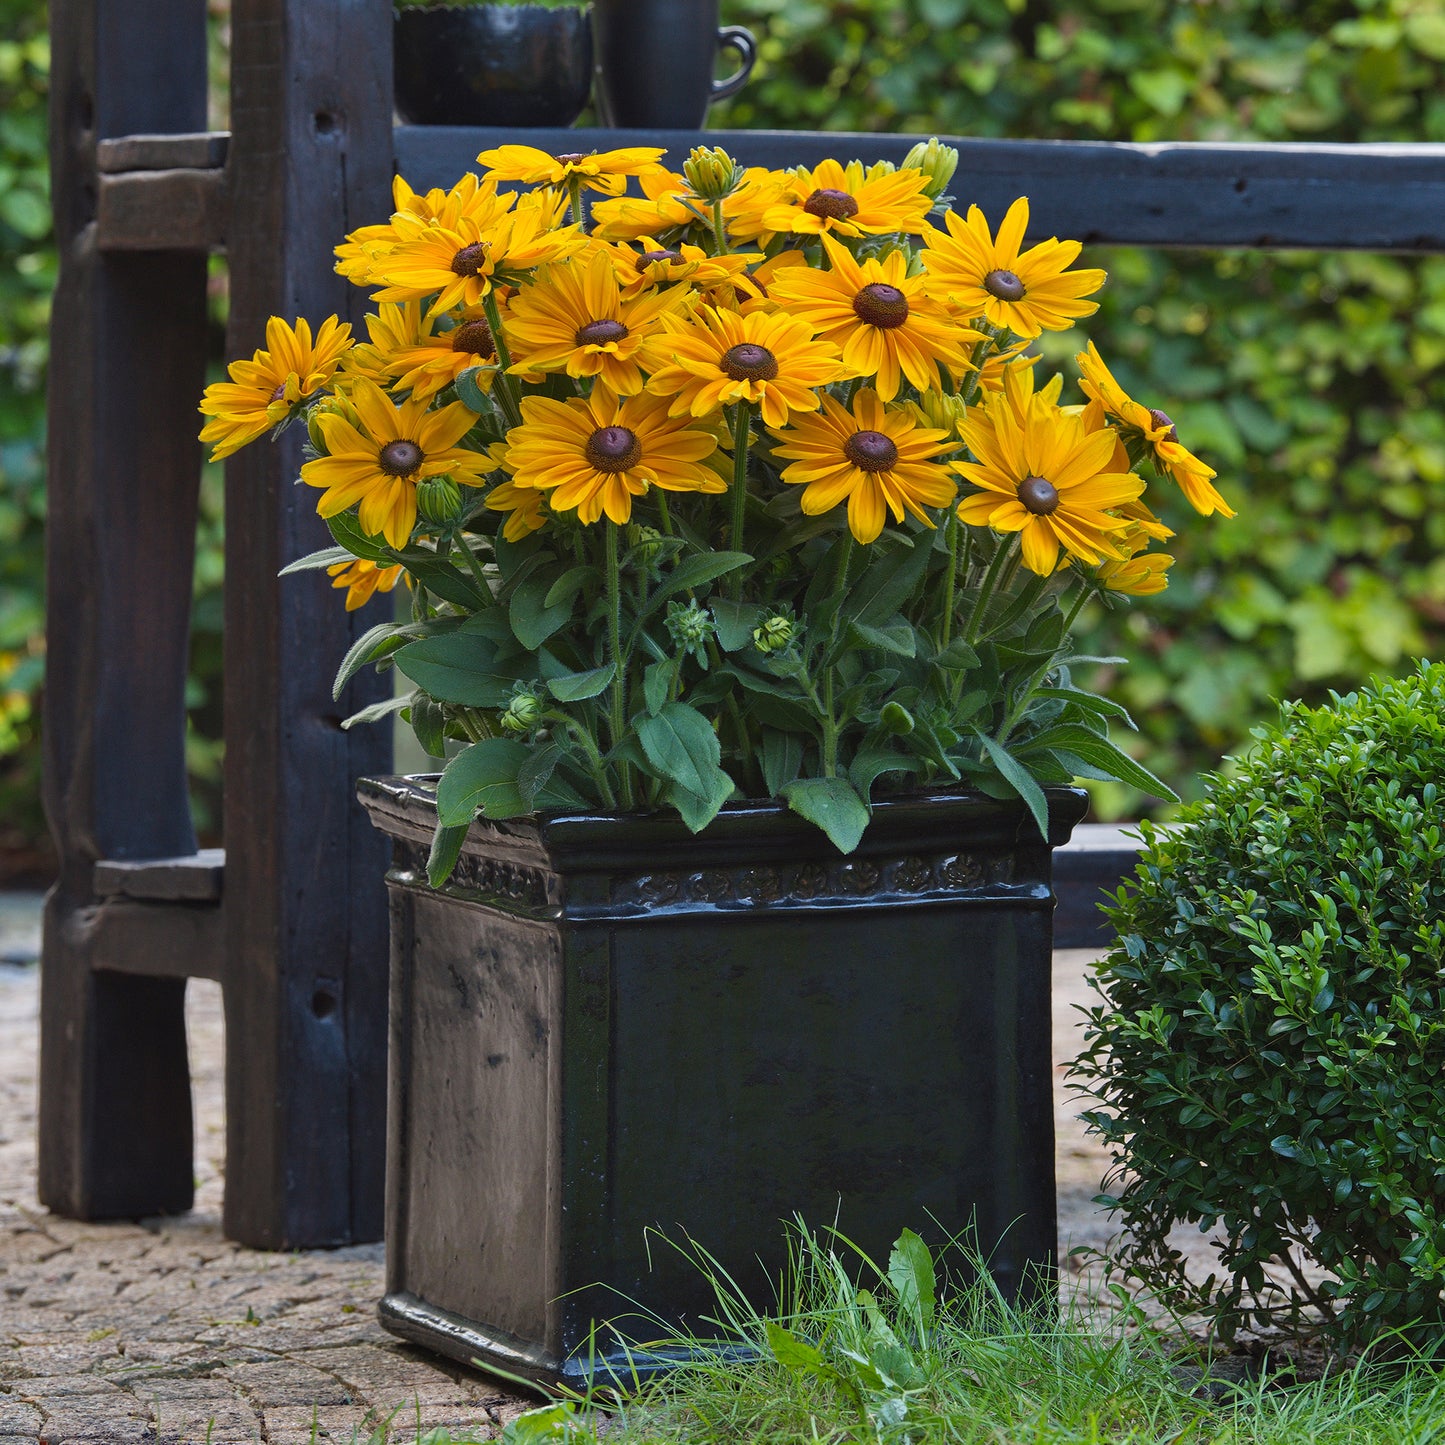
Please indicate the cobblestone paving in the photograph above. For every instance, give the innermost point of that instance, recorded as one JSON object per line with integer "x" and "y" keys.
{"x": 162, "y": 1332}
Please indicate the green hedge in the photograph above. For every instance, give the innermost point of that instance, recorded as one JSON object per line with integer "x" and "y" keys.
{"x": 1315, "y": 384}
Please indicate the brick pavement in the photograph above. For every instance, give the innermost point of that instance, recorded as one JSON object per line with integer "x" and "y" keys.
{"x": 163, "y": 1331}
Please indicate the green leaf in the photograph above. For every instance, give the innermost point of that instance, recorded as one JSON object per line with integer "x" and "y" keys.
{"x": 446, "y": 848}
{"x": 898, "y": 638}
{"x": 533, "y": 619}
{"x": 347, "y": 532}
{"x": 483, "y": 778}
{"x": 680, "y": 743}
{"x": 694, "y": 572}
{"x": 1088, "y": 701}
{"x": 736, "y": 622}
{"x": 578, "y": 686}
{"x": 568, "y": 585}
{"x": 697, "y": 812}
{"x": 657, "y": 683}
{"x": 1092, "y": 748}
{"x": 910, "y": 1272}
{"x": 871, "y": 763}
{"x": 326, "y": 557}
{"x": 958, "y": 656}
{"x": 832, "y": 804}
{"x": 782, "y": 760}
{"x": 374, "y": 643}
{"x": 441, "y": 578}
{"x": 469, "y": 393}
{"x": 378, "y": 710}
{"x": 885, "y": 586}
{"x": 1018, "y": 777}
{"x": 795, "y": 1355}
{"x": 457, "y": 667}
{"x": 536, "y": 771}
{"x": 428, "y": 722}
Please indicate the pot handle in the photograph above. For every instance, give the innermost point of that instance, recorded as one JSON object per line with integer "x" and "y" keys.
{"x": 741, "y": 39}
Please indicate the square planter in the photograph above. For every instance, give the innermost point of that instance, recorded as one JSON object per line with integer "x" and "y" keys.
{"x": 604, "y": 1028}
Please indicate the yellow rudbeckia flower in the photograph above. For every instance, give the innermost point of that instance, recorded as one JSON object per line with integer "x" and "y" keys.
{"x": 1157, "y": 432}
{"x": 378, "y": 460}
{"x": 262, "y": 392}
{"x": 363, "y": 580}
{"x": 604, "y": 171}
{"x": 1026, "y": 292}
{"x": 594, "y": 456}
{"x": 878, "y": 314}
{"x": 718, "y": 357}
{"x": 849, "y": 201}
{"x": 573, "y": 318}
{"x": 1047, "y": 477}
{"x": 878, "y": 461}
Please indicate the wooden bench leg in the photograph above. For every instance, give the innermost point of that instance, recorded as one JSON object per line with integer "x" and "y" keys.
{"x": 128, "y": 337}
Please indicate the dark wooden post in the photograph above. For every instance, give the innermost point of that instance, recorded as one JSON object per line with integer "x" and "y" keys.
{"x": 127, "y": 359}
{"x": 305, "y": 913}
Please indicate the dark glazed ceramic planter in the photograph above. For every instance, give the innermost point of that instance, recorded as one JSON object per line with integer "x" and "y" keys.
{"x": 603, "y": 1026}
{"x": 508, "y": 65}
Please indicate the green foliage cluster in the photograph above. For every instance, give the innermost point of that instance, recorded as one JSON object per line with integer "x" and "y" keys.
{"x": 1314, "y": 383}
{"x": 27, "y": 273}
{"x": 1272, "y": 1039}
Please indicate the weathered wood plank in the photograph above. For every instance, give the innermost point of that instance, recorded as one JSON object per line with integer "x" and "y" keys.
{"x": 196, "y": 878}
{"x": 155, "y": 940}
{"x": 179, "y": 210}
{"x": 1321, "y": 197}
{"x": 128, "y": 345}
{"x": 205, "y": 150}
{"x": 306, "y": 933}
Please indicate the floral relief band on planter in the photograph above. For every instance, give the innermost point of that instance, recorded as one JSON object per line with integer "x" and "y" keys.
{"x": 745, "y": 485}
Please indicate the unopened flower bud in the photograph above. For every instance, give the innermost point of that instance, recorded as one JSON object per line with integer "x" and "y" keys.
{"x": 313, "y": 430}
{"x": 937, "y": 161}
{"x": 524, "y": 711}
{"x": 897, "y": 719}
{"x": 688, "y": 625}
{"x": 775, "y": 635}
{"x": 939, "y": 409}
{"x": 713, "y": 174}
{"x": 646, "y": 543}
{"x": 439, "y": 500}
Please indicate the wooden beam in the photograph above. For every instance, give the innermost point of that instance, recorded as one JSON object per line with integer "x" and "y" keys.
{"x": 193, "y": 879}
{"x": 173, "y": 210}
{"x": 306, "y": 931}
{"x": 1317, "y": 197}
{"x": 128, "y": 355}
{"x": 154, "y": 940}
{"x": 200, "y": 151}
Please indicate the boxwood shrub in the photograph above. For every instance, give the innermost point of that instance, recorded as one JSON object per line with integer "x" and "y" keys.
{"x": 1269, "y": 1052}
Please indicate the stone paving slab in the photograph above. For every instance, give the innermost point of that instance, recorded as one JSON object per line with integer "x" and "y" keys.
{"x": 162, "y": 1332}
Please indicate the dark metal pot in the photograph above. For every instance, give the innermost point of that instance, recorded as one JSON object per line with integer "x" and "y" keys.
{"x": 603, "y": 1026}
{"x": 502, "y": 65}
{"x": 655, "y": 61}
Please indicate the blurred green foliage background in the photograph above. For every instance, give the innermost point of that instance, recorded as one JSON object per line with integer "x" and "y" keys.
{"x": 1314, "y": 383}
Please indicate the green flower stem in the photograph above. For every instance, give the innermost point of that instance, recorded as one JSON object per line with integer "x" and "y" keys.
{"x": 1005, "y": 548}
{"x": 506, "y": 385}
{"x": 719, "y": 229}
{"x": 574, "y": 191}
{"x": 742, "y": 437}
{"x": 830, "y": 729}
{"x": 977, "y": 359}
{"x": 617, "y": 718}
{"x": 663, "y": 515}
{"x": 476, "y": 567}
{"x": 595, "y": 765}
{"x": 950, "y": 585}
{"x": 1085, "y": 592}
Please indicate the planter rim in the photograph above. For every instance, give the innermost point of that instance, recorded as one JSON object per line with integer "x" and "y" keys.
{"x": 406, "y": 806}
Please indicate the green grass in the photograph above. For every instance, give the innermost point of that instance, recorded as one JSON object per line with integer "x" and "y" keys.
{"x": 906, "y": 1354}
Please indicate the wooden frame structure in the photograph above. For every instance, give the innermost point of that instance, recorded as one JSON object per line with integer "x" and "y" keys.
{"x": 297, "y": 934}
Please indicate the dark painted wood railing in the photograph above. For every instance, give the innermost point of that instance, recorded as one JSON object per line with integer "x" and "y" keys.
{"x": 292, "y": 921}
